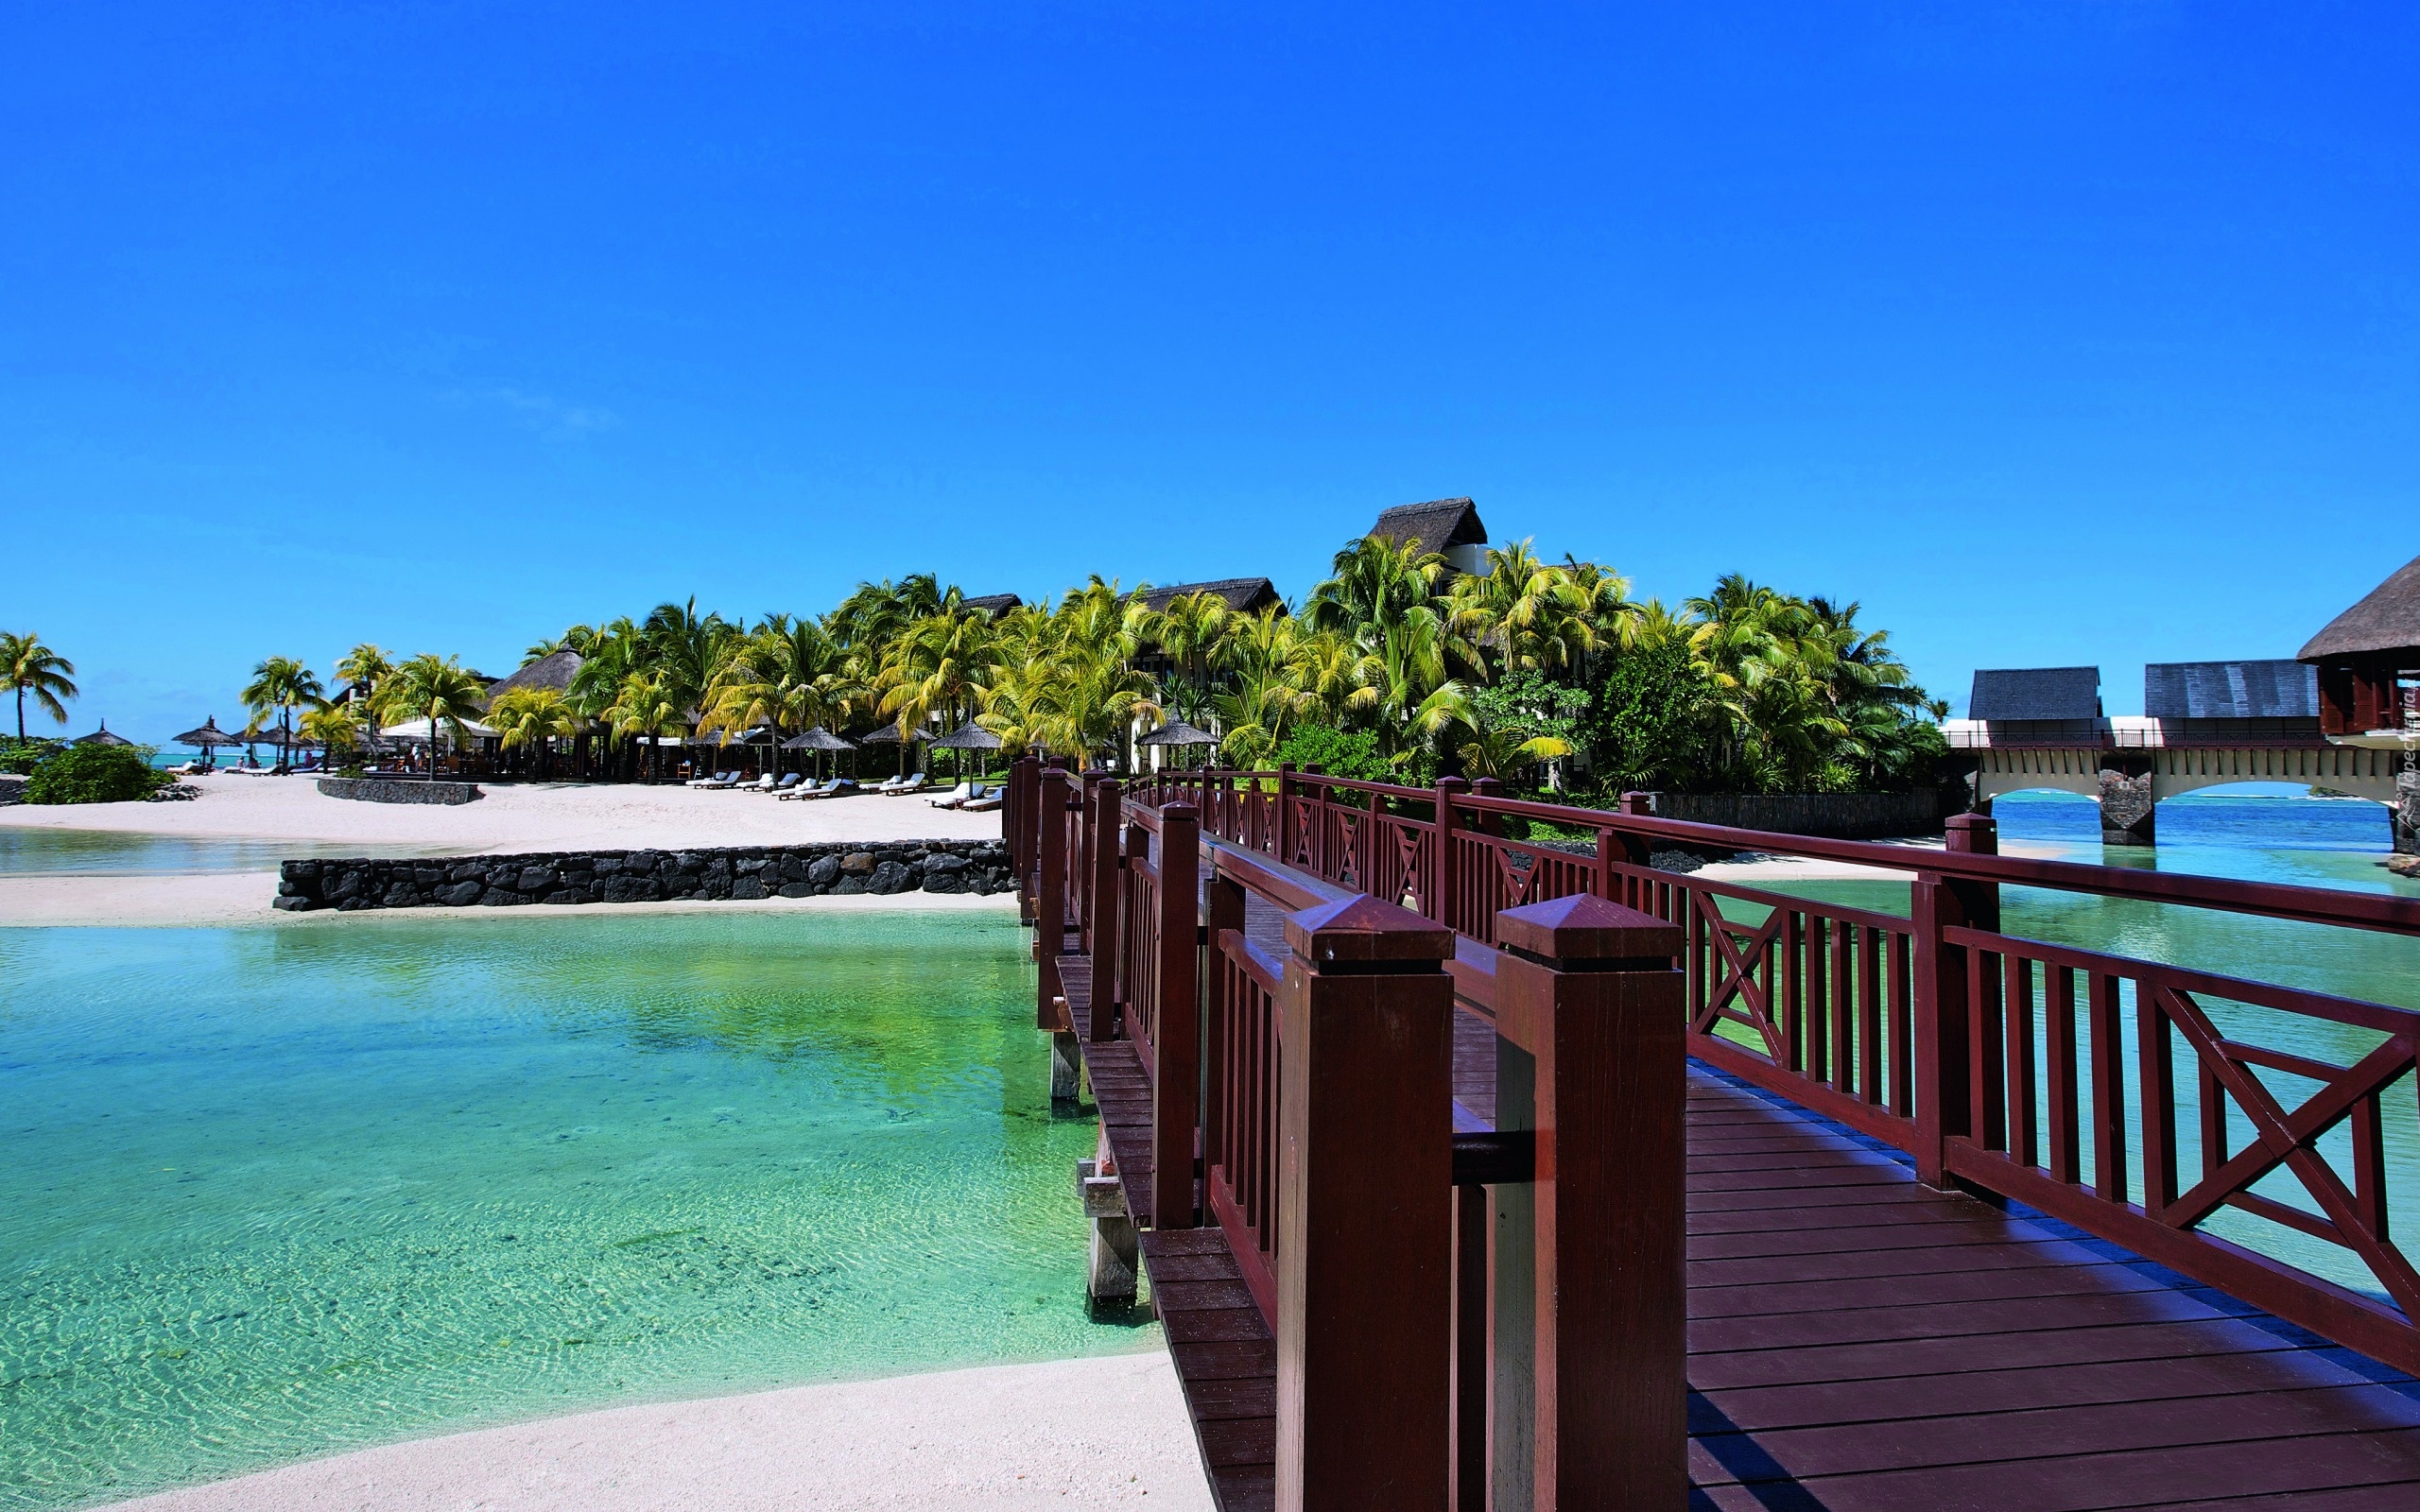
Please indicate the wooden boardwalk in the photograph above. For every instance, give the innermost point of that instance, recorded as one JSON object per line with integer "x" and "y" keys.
{"x": 1861, "y": 1343}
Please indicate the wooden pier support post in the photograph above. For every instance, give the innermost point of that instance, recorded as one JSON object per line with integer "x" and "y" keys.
{"x": 1113, "y": 1258}
{"x": 1365, "y": 1211}
{"x": 1587, "y": 990}
{"x": 1944, "y": 1073}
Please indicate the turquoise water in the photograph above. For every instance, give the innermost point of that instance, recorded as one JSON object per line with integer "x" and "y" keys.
{"x": 273, "y": 1192}
{"x": 27, "y": 852}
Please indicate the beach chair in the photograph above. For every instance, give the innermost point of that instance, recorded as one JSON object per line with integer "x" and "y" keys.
{"x": 838, "y": 787}
{"x": 911, "y": 783}
{"x": 810, "y": 790}
{"x": 730, "y": 779}
{"x": 982, "y": 805}
{"x": 783, "y": 788}
{"x": 762, "y": 784}
{"x": 956, "y": 796}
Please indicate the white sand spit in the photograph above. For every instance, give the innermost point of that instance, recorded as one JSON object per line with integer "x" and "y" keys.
{"x": 518, "y": 816}
{"x": 1073, "y": 1432}
{"x": 1766, "y": 868}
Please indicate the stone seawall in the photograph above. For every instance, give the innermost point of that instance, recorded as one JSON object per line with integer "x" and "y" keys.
{"x": 648, "y": 876}
{"x": 397, "y": 790}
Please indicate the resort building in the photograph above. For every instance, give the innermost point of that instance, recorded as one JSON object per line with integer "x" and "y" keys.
{"x": 2368, "y": 660}
{"x": 994, "y": 604}
{"x": 1450, "y": 528}
{"x": 1244, "y": 595}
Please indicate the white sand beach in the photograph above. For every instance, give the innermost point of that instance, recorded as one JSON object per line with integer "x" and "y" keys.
{"x": 1107, "y": 1432}
{"x": 510, "y": 820}
{"x": 518, "y": 816}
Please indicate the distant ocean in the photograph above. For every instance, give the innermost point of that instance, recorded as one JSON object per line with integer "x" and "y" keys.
{"x": 2258, "y": 821}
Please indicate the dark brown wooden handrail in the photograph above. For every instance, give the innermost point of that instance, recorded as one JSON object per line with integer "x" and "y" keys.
{"x": 2320, "y": 905}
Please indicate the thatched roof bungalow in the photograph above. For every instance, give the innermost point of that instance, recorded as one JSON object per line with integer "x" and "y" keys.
{"x": 2369, "y": 656}
{"x": 1450, "y": 528}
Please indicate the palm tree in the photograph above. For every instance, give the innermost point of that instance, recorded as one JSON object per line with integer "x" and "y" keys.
{"x": 335, "y": 726}
{"x": 539, "y": 715}
{"x": 434, "y": 689}
{"x": 34, "y": 668}
{"x": 642, "y": 706}
{"x": 364, "y": 666}
{"x": 1529, "y": 615}
{"x": 279, "y": 684}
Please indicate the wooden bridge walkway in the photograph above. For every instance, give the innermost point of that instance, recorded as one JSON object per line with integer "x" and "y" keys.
{"x": 1855, "y": 1340}
{"x": 1863, "y": 1343}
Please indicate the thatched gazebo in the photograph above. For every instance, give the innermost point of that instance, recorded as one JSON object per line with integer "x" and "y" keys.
{"x": 2368, "y": 659}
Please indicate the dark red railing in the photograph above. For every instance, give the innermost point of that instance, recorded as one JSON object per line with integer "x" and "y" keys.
{"x": 2030, "y": 1070}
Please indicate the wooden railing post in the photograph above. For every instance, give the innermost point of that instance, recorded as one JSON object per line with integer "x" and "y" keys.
{"x": 1620, "y": 848}
{"x": 1176, "y": 1039}
{"x": 1449, "y": 864}
{"x": 1488, "y": 787}
{"x": 1106, "y": 894}
{"x": 1285, "y": 814}
{"x": 1585, "y": 989}
{"x": 1049, "y": 894}
{"x": 1943, "y": 1049}
{"x": 1365, "y": 1219}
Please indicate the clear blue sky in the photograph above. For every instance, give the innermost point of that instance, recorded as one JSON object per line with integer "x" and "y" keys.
{"x": 2053, "y": 333}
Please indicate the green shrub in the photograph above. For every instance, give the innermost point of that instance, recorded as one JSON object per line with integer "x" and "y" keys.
{"x": 19, "y": 757}
{"x": 1347, "y": 754}
{"x": 95, "y": 774}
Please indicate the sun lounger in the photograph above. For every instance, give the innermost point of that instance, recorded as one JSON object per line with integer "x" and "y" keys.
{"x": 783, "y": 788}
{"x": 838, "y": 787}
{"x": 958, "y": 797}
{"x": 811, "y": 790}
{"x": 982, "y": 805}
{"x": 902, "y": 784}
{"x": 730, "y": 779}
{"x": 762, "y": 784}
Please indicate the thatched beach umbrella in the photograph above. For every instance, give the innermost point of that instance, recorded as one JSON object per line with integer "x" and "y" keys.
{"x": 890, "y": 734}
{"x": 1177, "y": 733}
{"x": 818, "y": 740}
{"x": 101, "y": 737}
{"x": 968, "y": 736}
{"x": 206, "y": 739}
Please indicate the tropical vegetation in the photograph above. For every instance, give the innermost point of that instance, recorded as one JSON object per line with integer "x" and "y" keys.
{"x": 1542, "y": 674}
{"x": 94, "y": 774}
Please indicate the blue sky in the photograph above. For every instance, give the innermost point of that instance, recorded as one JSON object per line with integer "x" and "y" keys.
{"x": 2052, "y": 333}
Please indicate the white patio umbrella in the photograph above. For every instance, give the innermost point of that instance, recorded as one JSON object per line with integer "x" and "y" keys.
{"x": 419, "y": 729}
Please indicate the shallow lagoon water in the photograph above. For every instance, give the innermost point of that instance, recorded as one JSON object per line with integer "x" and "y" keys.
{"x": 268, "y": 1194}
{"x": 27, "y": 850}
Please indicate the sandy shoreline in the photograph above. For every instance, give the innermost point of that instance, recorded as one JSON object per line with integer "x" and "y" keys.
{"x": 516, "y": 817}
{"x": 1105, "y": 1432}
{"x": 510, "y": 819}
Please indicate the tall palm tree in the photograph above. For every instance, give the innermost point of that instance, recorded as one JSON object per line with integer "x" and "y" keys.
{"x": 280, "y": 685}
{"x": 34, "y": 668}
{"x": 436, "y": 689}
{"x": 642, "y": 706}
{"x": 364, "y": 666}
{"x": 335, "y": 725}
